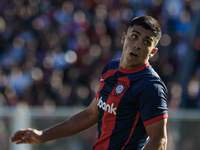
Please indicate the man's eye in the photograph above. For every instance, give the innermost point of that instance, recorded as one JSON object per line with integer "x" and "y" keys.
{"x": 134, "y": 36}
{"x": 146, "y": 42}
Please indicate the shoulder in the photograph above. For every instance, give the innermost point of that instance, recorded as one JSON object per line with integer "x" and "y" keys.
{"x": 153, "y": 86}
{"x": 113, "y": 64}
{"x": 152, "y": 78}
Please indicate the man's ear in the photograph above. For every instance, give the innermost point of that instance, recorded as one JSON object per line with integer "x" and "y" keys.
{"x": 153, "y": 52}
{"x": 123, "y": 37}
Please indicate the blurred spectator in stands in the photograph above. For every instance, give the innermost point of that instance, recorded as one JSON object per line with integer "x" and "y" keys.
{"x": 55, "y": 50}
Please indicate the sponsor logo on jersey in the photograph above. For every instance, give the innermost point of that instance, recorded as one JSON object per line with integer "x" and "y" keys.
{"x": 101, "y": 80}
{"x": 120, "y": 88}
{"x": 106, "y": 107}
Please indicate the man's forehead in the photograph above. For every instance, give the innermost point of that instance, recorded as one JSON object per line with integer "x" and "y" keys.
{"x": 141, "y": 30}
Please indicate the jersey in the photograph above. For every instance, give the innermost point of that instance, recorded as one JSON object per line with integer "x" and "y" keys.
{"x": 128, "y": 100}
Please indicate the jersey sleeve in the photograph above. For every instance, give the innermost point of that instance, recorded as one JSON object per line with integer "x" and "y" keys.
{"x": 152, "y": 102}
{"x": 103, "y": 76}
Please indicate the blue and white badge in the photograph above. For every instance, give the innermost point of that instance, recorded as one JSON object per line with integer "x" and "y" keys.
{"x": 120, "y": 88}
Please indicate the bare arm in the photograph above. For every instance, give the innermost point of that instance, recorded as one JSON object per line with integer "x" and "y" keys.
{"x": 157, "y": 135}
{"x": 75, "y": 124}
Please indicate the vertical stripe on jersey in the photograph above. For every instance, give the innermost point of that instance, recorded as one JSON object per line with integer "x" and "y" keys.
{"x": 133, "y": 128}
{"x": 103, "y": 77}
{"x": 108, "y": 121}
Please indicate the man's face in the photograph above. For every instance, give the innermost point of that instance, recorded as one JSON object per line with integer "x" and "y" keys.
{"x": 138, "y": 46}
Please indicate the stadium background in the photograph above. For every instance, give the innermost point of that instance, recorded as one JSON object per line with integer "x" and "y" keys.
{"x": 52, "y": 54}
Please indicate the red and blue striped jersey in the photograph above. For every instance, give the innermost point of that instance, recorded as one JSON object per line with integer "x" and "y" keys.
{"x": 128, "y": 100}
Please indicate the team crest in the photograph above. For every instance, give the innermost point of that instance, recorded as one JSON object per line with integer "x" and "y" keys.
{"x": 120, "y": 88}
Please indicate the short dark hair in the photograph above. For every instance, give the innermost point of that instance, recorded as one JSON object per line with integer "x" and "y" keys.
{"x": 149, "y": 23}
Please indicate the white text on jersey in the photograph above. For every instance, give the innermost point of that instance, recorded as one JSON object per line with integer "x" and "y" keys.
{"x": 106, "y": 107}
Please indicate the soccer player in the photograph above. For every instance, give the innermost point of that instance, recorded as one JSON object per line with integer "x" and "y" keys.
{"x": 131, "y": 104}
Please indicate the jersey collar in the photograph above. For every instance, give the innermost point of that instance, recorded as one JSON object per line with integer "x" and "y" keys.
{"x": 133, "y": 70}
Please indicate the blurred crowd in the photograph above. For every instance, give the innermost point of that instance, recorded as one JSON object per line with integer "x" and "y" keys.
{"x": 53, "y": 52}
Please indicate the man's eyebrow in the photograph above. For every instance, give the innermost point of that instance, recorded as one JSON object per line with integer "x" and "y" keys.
{"x": 136, "y": 32}
{"x": 150, "y": 38}
{"x": 147, "y": 37}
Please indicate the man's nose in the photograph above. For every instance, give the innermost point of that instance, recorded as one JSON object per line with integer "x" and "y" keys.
{"x": 137, "y": 44}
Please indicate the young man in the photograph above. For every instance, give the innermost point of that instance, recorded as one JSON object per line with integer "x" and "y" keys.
{"x": 130, "y": 106}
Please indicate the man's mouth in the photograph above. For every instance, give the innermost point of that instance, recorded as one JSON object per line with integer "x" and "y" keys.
{"x": 133, "y": 54}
